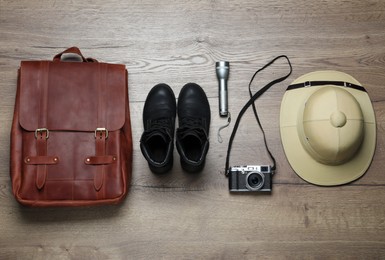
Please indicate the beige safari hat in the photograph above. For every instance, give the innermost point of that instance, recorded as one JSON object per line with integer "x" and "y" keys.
{"x": 328, "y": 128}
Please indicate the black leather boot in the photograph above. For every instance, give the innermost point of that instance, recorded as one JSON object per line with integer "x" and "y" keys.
{"x": 194, "y": 122}
{"x": 157, "y": 141}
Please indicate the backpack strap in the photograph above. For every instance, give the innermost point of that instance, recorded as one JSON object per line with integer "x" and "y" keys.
{"x": 41, "y": 160}
{"x": 101, "y": 159}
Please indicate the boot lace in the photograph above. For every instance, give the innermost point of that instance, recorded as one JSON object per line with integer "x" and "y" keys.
{"x": 160, "y": 125}
{"x": 192, "y": 126}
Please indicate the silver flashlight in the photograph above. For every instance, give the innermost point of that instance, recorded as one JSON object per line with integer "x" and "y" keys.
{"x": 223, "y": 70}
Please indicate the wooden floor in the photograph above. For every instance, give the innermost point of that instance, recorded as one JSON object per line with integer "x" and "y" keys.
{"x": 193, "y": 216}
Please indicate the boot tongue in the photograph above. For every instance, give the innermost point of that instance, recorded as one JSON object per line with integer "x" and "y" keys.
{"x": 158, "y": 133}
{"x": 196, "y": 133}
{"x": 158, "y": 128}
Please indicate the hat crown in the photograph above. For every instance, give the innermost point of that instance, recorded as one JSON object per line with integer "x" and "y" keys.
{"x": 332, "y": 126}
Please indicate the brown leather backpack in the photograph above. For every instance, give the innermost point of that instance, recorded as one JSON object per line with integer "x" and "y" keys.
{"x": 71, "y": 142}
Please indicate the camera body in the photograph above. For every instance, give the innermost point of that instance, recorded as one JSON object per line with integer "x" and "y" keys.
{"x": 250, "y": 178}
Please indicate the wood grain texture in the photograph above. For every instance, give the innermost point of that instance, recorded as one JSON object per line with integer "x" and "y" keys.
{"x": 184, "y": 216}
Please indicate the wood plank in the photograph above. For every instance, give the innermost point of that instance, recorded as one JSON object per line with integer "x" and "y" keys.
{"x": 297, "y": 220}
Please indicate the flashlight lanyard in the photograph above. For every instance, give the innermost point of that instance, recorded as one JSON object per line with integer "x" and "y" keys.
{"x": 251, "y": 101}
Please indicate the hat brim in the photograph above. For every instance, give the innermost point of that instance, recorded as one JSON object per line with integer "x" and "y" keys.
{"x": 303, "y": 164}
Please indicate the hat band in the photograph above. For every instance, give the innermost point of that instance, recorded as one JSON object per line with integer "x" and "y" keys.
{"x": 320, "y": 83}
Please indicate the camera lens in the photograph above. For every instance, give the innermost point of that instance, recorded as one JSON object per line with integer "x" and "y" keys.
{"x": 255, "y": 181}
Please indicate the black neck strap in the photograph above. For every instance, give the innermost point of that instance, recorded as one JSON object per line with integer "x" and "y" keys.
{"x": 249, "y": 103}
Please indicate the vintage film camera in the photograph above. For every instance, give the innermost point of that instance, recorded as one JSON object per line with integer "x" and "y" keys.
{"x": 250, "y": 178}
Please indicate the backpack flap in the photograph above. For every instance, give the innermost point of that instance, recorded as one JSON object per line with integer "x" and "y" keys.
{"x": 70, "y": 96}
